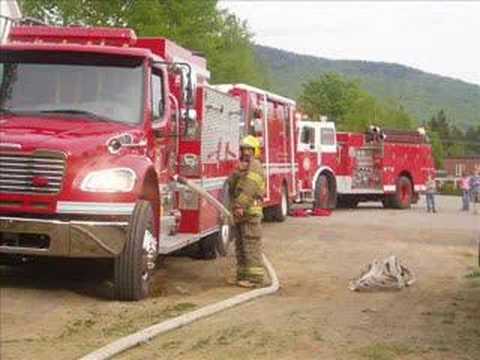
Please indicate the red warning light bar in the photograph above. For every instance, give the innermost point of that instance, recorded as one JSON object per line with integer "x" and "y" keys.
{"x": 73, "y": 35}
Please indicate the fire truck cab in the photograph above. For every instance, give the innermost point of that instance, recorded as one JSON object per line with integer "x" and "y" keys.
{"x": 316, "y": 158}
{"x": 94, "y": 126}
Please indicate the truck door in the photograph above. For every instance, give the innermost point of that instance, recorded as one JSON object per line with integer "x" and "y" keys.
{"x": 166, "y": 152}
{"x": 307, "y": 158}
{"x": 327, "y": 144}
{"x": 165, "y": 126}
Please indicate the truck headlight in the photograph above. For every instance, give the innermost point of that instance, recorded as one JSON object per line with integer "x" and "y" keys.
{"x": 110, "y": 181}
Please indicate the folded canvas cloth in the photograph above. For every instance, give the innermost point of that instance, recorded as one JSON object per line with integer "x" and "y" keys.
{"x": 387, "y": 274}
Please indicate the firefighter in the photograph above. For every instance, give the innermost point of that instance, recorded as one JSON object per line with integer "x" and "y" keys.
{"x": 247, "y": 188}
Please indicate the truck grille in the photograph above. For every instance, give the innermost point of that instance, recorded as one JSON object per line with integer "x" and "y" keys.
{"x": 40, "y": 173}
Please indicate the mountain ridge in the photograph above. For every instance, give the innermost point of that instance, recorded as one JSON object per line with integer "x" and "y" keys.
{"x": 421, "y": 93}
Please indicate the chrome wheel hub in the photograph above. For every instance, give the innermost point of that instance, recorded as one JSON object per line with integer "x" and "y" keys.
{"x": 225, "y": 234}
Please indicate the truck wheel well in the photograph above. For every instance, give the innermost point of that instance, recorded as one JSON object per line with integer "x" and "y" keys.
{"x": 407, "y": 175}
{"x": 332, "y": 188}
{"x": 150, "y": 192}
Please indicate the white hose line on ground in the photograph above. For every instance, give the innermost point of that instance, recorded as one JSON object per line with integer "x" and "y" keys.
{"x": 146, "y": 334}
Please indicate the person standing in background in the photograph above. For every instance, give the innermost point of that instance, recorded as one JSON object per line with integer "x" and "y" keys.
{"x": 475, "y": 190}
{"x": 465, "y": 187}
{"x": 430, "y": 194}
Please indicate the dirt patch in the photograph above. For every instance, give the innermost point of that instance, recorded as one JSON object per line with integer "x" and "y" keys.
{"x": 314, "y": 315}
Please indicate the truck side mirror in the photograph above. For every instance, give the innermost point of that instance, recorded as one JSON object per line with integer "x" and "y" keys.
{"x": 189, "y": 84}
{"x": 188, "y": 80}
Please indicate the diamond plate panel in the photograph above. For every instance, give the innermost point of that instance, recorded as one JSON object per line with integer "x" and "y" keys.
{"x": 221, "y": 128}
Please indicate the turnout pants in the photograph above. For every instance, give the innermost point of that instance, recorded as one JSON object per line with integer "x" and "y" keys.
{"x": 248, "y": 249}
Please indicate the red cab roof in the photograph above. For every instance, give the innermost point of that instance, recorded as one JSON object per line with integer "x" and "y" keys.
{"x": 172, "y": 52}
{"x": 106, "y": 40}
{"x": 73, "y": 35}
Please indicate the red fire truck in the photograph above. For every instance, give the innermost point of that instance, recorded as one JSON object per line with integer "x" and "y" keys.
{"x": 308, "y": 161}
{"x": 343, "y": 169}
{"x": 94, "y": 126}
{"x": 270, "y": 117}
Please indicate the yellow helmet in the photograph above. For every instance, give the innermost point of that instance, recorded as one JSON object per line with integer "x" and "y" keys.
{"x": 251, "y": 142}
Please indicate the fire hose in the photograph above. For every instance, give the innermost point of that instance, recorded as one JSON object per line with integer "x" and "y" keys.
{"x": 143, "y": 336}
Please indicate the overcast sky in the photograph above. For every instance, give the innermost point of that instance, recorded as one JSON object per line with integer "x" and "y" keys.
{"x": 438, "y": 37}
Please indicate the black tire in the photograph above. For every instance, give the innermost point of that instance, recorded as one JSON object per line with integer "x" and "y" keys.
{"x": 224, "y": 237}
{"x": 387, "y": 202}
{"x": 210, "y": 247}
{"x": 402, "y": 199}
{"x": 132, "y": 275}
{"x": 279, "y": 213}
{"x": 268, "y": 214}
{"x": 214, "y": 245}
{"x": 207, "y": 248}
{"x": 218, "y": 244}
{"x": 322, "y": 193}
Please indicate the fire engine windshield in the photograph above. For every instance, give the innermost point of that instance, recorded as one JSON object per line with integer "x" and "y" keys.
{"x": 95, "y": 86}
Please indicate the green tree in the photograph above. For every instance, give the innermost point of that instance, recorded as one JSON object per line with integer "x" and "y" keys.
{"x": 453, "y": 138}
{"x": 437, "y": 150}
{"x": 394, "y": 116}
{"x": 330, "y": 95}
{"x": 352, "y": 108}
{"x": 225, "y": 41}
{"x": 362, "y": 113}
{"x": 456, "y": 142}
{"x": 472, "y": 140}
{"x": 81, "y": 12}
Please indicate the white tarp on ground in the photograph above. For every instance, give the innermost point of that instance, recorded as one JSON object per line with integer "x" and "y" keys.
{"x": 387, "y": 274}
{"x": 9, "y": 11}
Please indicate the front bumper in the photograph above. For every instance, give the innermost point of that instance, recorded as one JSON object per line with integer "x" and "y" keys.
{"x": 31, "y": 236}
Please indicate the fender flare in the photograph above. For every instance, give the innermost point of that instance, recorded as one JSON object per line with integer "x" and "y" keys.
{"x": 145, "y": 177}
{"x": 408, "y": 174}
{"x": 322, "y": 169}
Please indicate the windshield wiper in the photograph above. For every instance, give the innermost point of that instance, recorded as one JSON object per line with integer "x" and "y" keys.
{"x": 88, "y": 114}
